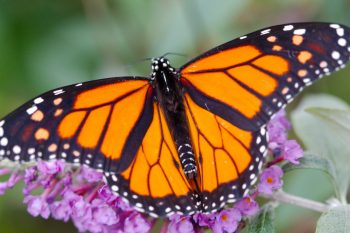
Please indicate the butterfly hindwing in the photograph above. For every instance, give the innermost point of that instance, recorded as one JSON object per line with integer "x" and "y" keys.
{"x": 155, "y": 182}
{"x": 247, "y": 80}
{"x": 229, "y": 159}
{"x": 89, "y": 123}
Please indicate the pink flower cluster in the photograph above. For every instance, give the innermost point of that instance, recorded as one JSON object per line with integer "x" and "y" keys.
{"x": 79, "y": 194}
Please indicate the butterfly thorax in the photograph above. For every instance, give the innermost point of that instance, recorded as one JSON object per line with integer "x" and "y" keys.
{"x": 169, "y": 95}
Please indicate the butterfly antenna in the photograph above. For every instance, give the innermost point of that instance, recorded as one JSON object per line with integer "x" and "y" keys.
{"x": 175, "y": 54}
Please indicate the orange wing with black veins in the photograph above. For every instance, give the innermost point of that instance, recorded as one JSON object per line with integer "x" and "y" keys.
{"x": 155, "y": 182}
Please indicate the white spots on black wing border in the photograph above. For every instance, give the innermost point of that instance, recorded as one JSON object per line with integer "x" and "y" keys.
{"x": 31, "y": 110}
{"x": 58, "y": 92}
{"x": 265, "y": 31}
{"x": 339, "y": 54}
{"x": 288, "y": 27}
{"x": 299, "y": 31}
{"x": 161, "y": 208}
{"x": 38, "y": 100}
{"x": 335, "y": 55}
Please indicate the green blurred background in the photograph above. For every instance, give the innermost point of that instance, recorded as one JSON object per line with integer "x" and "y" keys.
{"x": 44, "y": 45}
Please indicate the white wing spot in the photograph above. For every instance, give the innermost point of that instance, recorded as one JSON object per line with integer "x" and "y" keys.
{"x": 114, "y": 178}
{"x": 76, "y": 161}
{"x": 31, "y": 151}
{"x": 243, "y": 37}
{"x": 78, "y": 85}
{"x": 1, "y": 132}
{"x": 4, "y": 142}
{"x": 334, "y": 25}
{"x": 340, "y": 31}
{"x": 2, "y": 123}
{"x": 258, "y": 140}
{"x": 266, "y": 31}
{"x": 252, "y": 176}
{"x": 38, "y": 100}
{"x": 251, "y": 167}
{"x": 115, "y": 188}
{"x": 32, "y": 109}
{"x": 16, "y": 149}
{"x": 306, "y": 80}
{"x": 300, "y": 31}
{"x": 262, "y": 149}
{"x": 342, "y": 42}
{"x": 58, "y": 92}
{"x": 335, "y": 55}
{"x": 138, "y": 205}
{"x": 288, "y": 27}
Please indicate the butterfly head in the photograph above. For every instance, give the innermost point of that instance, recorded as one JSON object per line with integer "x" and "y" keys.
{"x": 159, "y": 65}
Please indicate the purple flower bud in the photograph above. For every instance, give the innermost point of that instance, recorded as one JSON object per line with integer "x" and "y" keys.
{"x": 61, "y": 210}
{"x": 103, "y": 214}
{"x": 204, "y": 220}
{"x": 180, "y": 224}
{"x": 227, "y": 221}
{"x": 50, "y": 168}
{"x": 247, "y": 206}
{"x": 270, "y": 179}
{"x": 37, "y": 206}
{"x": 90, "y": 175}
{"x": 136, "y": 223}
{"x": 106, "y": 195}
{"x": 11, "y": 182}
{"x": 30, "y": 175}
{"x": 292, "y": 151}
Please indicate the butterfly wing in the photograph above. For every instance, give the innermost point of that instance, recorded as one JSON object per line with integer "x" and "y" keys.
{"x": 229, "y": 158}
{"x": 233, "y": 90}
{"x": 247, "y": 80}
{"x": 155, "y": 182}
{"x": 89, "y": 123}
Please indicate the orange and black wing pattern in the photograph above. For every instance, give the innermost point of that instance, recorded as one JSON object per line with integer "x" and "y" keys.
{"x": 89, "y": 123}
{"x": 155, "y": 182}
{"x": 228, "y": 158}
{"x": 247, "y": 80}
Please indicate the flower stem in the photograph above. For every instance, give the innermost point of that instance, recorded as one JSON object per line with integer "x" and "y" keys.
{"x": 287, "y": 198}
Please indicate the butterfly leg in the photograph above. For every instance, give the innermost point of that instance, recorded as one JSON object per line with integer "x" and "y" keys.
{"x": 187, "y": 160}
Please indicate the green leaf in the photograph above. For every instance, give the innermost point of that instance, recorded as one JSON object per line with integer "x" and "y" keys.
{"x": 324, "y": 130}
{"x": 336, "y": 220}
{"x": 312, "y": 161}
{"x": 263, "y": 222}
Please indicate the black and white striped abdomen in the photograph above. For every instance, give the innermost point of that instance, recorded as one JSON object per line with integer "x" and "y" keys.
{"x": 187, "y": 159}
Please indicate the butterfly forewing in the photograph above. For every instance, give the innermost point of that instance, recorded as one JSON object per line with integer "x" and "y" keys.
{"x": 248, "y": 79}
{"x": 89, "y": 123}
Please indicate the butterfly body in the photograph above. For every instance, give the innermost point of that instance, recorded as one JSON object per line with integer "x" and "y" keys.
{"x": 169, "y": 95}
{"x": 184, "y": 140}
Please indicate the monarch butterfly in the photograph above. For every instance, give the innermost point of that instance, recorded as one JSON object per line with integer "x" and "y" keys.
{"x": 182, "y": 140}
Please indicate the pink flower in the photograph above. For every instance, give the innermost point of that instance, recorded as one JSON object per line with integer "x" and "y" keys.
{"x": 227, "y": 221}
{"x": 247, "y": 206}
{"x": 292, "y": 151}
{"x": 180, "y": 224}
{"x": 270, "y": 179}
